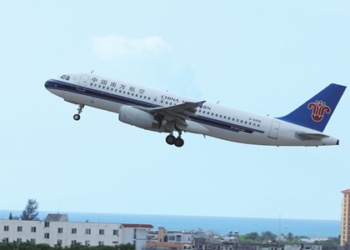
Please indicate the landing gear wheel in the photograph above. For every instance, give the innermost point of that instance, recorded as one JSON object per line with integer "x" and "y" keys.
{"x": 80, "y": 109}
{"x": 179, "y": 142}
{"x": 170, "y": 139}
{"x": 76, "y": 117}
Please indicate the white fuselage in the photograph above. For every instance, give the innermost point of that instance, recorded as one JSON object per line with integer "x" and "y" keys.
{"x": 210, "y": 119}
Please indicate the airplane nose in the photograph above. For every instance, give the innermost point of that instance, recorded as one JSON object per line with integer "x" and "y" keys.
{"x": 49, "y": 84}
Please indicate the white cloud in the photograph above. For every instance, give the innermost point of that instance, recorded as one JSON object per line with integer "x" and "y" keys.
{"x": 119, "y": 46}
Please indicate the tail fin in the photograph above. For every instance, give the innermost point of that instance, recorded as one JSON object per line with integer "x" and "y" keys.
{"x": 316, "y": 112}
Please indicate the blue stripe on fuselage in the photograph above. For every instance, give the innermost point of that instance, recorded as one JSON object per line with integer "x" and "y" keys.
{"x": 64, "y": 86}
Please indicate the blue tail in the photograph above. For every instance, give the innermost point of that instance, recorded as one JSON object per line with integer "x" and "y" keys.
{"x": 316, "y": 112}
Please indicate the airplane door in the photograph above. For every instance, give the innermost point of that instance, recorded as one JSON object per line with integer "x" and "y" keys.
{"x": 82, "y": 83}
{"x": 275, "y": 126}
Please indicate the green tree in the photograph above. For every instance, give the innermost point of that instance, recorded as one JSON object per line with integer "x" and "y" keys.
{"x": 26, "y": 246}
{"x": 10, "y": 216}
{"x": 30, "y": 212}
{"x": 43, "y": 246}
{"x": 249, "y": 238}
{"x": 8, "y": 245}
{"x": 290, "y": 236}
{"x": 127, "y": 246}
{"x": 267, "y": 236}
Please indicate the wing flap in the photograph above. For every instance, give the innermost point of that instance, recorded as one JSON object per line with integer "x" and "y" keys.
{"x": 179, "y": 113}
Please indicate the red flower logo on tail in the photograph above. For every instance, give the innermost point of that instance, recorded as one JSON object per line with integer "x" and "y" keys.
{"x": 318, "y": 110}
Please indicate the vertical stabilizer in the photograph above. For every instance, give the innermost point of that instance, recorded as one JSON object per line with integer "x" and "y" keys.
{"x": 316, "y": 112}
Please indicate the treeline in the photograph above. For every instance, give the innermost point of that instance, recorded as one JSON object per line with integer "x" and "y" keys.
{"x": 268, "y": 237}
{"x": 31, "y": 246}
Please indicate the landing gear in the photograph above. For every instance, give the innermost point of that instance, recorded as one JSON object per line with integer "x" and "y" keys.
{"x": 76, "y": 117}
{"x": 170, "y": 139}
{"x": 178, "y": 141}
{"x": 80, "y": 109}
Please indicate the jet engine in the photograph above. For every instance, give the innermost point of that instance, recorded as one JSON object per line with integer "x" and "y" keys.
{"x": 139, "y": 118}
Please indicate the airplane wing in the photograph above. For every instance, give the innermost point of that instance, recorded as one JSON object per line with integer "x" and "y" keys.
{"x": 178, "y": 113}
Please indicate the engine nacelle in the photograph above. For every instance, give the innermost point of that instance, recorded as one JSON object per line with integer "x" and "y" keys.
{"x": 139, "y": 118}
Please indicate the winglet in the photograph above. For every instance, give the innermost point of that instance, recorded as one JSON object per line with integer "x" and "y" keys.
{"x": 200, "y": 104}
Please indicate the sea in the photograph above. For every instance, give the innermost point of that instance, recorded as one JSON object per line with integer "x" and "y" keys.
{"x": 218, "y": 225}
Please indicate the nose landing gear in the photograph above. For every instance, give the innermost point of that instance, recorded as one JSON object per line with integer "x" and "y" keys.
{"x": 80, "y": 109}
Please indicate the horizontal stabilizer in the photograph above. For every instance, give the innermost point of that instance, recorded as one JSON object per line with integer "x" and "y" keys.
{"x": 311, "y": 136}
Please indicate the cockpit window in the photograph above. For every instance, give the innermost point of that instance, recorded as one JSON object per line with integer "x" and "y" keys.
{"x": 63, "y": 77}
{"x": 67, "y": 78}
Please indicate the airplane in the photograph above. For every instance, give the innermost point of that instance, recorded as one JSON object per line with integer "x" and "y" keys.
{"x": 162, "y": 111}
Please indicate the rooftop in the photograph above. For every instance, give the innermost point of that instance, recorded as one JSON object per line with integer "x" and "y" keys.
{"x": 347, "y": 191}
{"x": 57, "y": 217}
{"x": 137, "y": 225}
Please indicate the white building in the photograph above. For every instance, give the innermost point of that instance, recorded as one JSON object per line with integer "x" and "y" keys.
{"x": 56, "y": 230}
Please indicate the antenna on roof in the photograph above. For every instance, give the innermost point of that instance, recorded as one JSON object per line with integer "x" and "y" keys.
{"x": 92, "y": 71}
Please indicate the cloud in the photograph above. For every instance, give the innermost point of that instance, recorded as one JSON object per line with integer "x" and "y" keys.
{"x": 118, "y": 46}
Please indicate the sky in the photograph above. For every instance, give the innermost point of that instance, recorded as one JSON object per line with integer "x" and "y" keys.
{"x": 265, "y": 57}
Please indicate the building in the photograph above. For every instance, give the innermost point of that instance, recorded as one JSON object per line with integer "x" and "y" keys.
{"x": 57, "y": 230}
{"x": 345, "y": 218}
{"x": 164, "y": 239}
